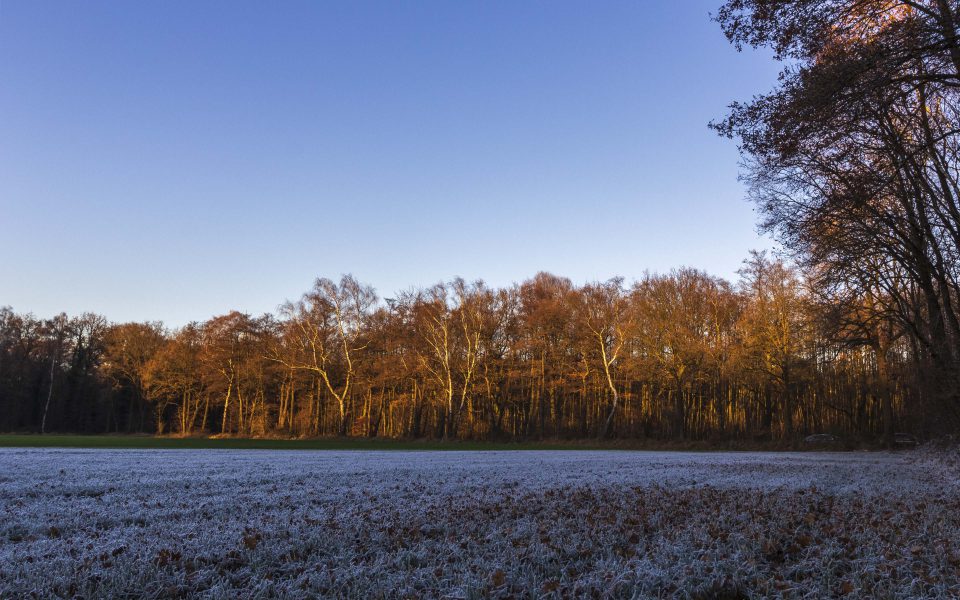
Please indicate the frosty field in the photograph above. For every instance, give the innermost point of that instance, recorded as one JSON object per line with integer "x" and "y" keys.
{"x": 250, "y": 524}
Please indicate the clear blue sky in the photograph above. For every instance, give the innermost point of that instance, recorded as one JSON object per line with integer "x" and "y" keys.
{"x": 175, "y": 160}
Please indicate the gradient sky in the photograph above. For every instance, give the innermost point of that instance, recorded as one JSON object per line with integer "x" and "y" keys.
{"x": 175, "y": 160}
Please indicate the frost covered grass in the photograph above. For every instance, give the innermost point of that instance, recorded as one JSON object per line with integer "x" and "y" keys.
{"x": 228, "y": 524}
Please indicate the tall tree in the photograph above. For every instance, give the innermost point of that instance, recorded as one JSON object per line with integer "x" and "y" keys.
{"x": 853, "y": 158}
{"x": 325, "y": 333}
{"x": 129, "y": 350}
{"x": 604, "y": 314}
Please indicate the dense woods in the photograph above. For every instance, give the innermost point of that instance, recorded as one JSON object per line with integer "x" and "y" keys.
{"x": 853, "y": 161}
{"x": 677, "y": 356}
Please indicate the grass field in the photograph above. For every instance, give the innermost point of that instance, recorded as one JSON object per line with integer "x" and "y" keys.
{"x": 145, "y": 442}
{"x": 104, "y": 523}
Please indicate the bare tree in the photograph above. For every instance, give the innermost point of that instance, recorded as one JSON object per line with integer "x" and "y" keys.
{"x": 602, "y": 310}
{"x": 325, "y": 334}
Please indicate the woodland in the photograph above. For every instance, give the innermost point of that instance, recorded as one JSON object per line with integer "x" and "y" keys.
{"x": 853, "y": 162}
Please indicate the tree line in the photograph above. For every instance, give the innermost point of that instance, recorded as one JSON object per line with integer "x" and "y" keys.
{"x": 683, "y": 355}
{"x": 853, "y": 161}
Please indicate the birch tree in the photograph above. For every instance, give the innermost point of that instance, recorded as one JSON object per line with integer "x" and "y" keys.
{"x": 605, "y": 316}
{"x": 324, "y": 332}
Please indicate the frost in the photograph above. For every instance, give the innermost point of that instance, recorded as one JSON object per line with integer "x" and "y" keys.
{"x": 476, "y": 524}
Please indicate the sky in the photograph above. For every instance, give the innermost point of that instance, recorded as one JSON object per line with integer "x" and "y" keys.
{"x": 177, "y": 160}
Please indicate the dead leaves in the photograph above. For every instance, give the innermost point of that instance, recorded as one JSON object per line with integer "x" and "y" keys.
{"x": 166, "y": 557}
{"x": 251, "y": 539}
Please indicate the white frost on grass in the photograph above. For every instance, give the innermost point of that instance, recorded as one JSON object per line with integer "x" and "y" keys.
{"x": 223, "y": 524}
